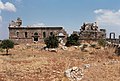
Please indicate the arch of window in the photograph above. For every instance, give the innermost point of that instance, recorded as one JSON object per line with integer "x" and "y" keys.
{"x": 35, "y": 33}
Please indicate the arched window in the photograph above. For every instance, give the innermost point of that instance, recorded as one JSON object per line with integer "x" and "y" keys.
{"x": 17, "y": 33}
{"x": 44, "y": 34}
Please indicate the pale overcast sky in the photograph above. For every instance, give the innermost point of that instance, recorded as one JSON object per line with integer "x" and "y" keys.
{"x": 67, "y": 13}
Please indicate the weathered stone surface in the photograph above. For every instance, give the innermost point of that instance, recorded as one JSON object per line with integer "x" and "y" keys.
{"x": 33, "y": 34}
{"x": 64, "y": 48}
{"x": 74, "y": 74}
{"x": 52, "y": 50}
{"x": 117, "y": 51}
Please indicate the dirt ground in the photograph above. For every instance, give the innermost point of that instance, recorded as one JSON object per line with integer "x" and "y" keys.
{"x": 30, "y": 63}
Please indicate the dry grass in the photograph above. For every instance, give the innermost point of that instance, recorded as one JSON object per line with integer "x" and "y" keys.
{"x": 32, "y": 64}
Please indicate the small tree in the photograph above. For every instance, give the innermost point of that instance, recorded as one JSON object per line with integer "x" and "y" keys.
{"x": 7, "y": 44}
{"x": 51, "y": 41}
{"x": 73, "y": 40}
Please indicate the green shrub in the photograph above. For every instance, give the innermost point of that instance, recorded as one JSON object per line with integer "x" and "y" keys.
{"x": 73, "y": 40}
{"x": 51, "y": 42}
{"x": 7, "y": 44}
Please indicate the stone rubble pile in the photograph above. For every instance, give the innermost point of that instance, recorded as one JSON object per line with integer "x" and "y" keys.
{"x": 74, "y": 74}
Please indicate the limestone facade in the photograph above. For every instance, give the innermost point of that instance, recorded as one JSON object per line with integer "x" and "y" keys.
{"x": 25, "y": 34}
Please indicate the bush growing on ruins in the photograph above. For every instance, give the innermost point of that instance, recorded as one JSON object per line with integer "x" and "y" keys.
{"x": 7, "y": 44}
{"x": 73, "y": 40}
{"x": 102, "y": 42}
{"x": 51, "y": 42}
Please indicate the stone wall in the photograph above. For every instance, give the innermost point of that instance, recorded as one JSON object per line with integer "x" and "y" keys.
{"x": 90, "y": 31}
{"x": 33, "y": 34}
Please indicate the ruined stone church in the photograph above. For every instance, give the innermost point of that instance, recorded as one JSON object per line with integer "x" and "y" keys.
{"x": 29, "y": 34}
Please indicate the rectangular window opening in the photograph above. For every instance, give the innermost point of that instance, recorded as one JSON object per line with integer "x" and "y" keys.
{"x": 26, "y": 34}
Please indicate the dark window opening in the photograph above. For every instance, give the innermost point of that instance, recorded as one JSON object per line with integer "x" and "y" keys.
{"x": 102, "y": 35}
{"x": 44, "y": 34}
{"x": 17, "y": 34}
{"x": 26, "y": 34}
{"x": 51, "y": 33}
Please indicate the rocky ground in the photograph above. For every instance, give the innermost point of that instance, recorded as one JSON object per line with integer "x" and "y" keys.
{"x": 30, "y": 63}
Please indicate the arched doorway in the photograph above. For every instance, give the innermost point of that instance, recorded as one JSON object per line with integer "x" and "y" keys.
{"x": 36, "y": 36}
